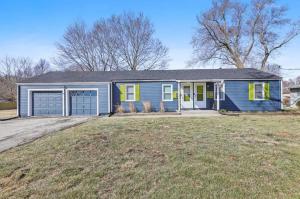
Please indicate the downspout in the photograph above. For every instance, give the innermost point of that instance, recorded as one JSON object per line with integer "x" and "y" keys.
{"x": 65, "y": 104}
{"x": 18, "y": 101}
{"x": 281, "y": 95}
{"x": 111, "y": 97}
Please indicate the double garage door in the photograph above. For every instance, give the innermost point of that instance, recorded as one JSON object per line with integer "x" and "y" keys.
{"x": 50, "y": 103}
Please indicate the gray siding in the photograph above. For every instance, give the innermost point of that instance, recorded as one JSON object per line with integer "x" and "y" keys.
{"x": 237, "y": 97}
{"x": 149, "y": 91}
{"x": 103, "y": 95}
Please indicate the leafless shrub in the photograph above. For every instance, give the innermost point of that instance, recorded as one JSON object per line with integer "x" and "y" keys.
{"x": 120, "y": 109}
{"x": 298, "y": 105}
{"x": 132, "y": 108}
{"x": 162, "y": 107}
{"x": 147, "y": 106}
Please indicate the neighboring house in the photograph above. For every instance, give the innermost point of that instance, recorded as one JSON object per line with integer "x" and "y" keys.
{"x": 294, "y": 95}
{"x": 3, "y": 100}
{"x": 97, "y": 93}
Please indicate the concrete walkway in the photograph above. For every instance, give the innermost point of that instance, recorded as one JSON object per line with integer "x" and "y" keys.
{"x": 20, "y": 131}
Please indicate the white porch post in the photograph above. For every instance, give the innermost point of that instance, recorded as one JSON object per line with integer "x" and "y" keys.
{"x": 218, "y": 96}
{"x": 179, "y": 97}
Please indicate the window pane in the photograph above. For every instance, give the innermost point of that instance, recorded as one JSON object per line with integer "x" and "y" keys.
{"x": 130, "y": 96}
{"x": 200, "y": 93}
{"x": 167, "y": 96}
{"x": 258, "y": 91}
{"x": 186, "y": 93}
{"x": 199, "y": 96}
{"x": 167, "y": 89}
{"x": 221, "y": 95}
{"x": 130, "y": 89}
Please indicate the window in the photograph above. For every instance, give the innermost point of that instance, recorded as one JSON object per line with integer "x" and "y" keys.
{"x": 167, "y": 90}
{"x": 221, "y": 91}
{"x": 130, "y": 92}
{"x": 258, "y": 91}
{"x": 186, "y": 93}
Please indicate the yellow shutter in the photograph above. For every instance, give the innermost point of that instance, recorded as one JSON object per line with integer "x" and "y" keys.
{"x": 122, "y": 92}
{"x": 251, "y": 91}
{"x": 267, "y": 91}
{"x": 137, "y": 92}
{"x": 175, "y": 94}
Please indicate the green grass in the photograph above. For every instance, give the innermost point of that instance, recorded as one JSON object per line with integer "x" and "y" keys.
{"x": 8, "y": 105}
{"x": 218, "y": 157}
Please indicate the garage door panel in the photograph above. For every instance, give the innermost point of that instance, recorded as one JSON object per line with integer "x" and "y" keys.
{"x": 83, "y": 102}
{"x": 47, "y": 103}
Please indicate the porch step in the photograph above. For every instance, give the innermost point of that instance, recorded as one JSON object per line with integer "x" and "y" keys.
{"x": 200, "y": 112}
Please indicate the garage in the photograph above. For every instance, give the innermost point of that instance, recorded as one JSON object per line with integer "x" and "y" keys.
{"x": 47, "y": 103}
{"x": 83, "y": 102}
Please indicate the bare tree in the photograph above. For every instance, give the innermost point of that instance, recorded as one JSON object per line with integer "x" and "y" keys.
{"x": 137, "y": 47}
{"x": 241, "y": 35}
{"x": 13, "y": 70}
{"x": 123, "y": 42}
{"x": 41, "y": 67}
{"x": 75, "y": 51}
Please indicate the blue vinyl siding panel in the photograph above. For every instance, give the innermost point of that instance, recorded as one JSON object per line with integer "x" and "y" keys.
{"x": 237, "y": 97}
{"x": 103, "y": 89}
{"x": 149, "y": 91}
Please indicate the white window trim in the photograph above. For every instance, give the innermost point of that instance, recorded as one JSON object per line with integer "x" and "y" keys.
{"x": 80, "y": 89}
{"x": 126, "y": 100}
{"x": 263, "y": 91}
{"x": 215, "y": 97}
{"x": 29, "y": 99}
{"x": 162, "y": 92}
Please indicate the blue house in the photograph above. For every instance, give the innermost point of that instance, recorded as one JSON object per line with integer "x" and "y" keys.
{"x": 97, "y": 93}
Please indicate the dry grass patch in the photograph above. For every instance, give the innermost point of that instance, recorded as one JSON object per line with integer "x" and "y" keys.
{"x": 220, "y": 157}
{"x": 4, "y": 114}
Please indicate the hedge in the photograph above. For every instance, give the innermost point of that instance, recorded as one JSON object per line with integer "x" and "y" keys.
{"x": 8, "y": 105}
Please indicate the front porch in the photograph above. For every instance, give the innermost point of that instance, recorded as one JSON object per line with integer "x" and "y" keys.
{"x": 200, "y": 95}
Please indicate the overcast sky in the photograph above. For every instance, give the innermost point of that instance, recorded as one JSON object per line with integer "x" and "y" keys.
{"x": 30, "y": 28}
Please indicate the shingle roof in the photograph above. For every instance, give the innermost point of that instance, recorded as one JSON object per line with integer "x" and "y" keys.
{"x": 189, "y": 74}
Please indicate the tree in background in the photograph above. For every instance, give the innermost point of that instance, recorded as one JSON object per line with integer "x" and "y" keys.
{"x": 41, "y": 67}
{"x": 13, "y": 70}
{"x": 242, "y": 35}
{"x": 122, "y": 42}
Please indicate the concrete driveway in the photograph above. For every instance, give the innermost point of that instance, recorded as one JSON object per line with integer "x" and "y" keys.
{"x": 20, "y": 131}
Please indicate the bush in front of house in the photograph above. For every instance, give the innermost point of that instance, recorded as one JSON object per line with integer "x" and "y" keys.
{"x": 147, "y": 108}
{"x": 132, "y": 108}
{"x": 120, "y": 109}
{"x": 162, "y": 107}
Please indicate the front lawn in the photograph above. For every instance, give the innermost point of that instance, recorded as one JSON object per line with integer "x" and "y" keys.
{"x": 216, "y": 157}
